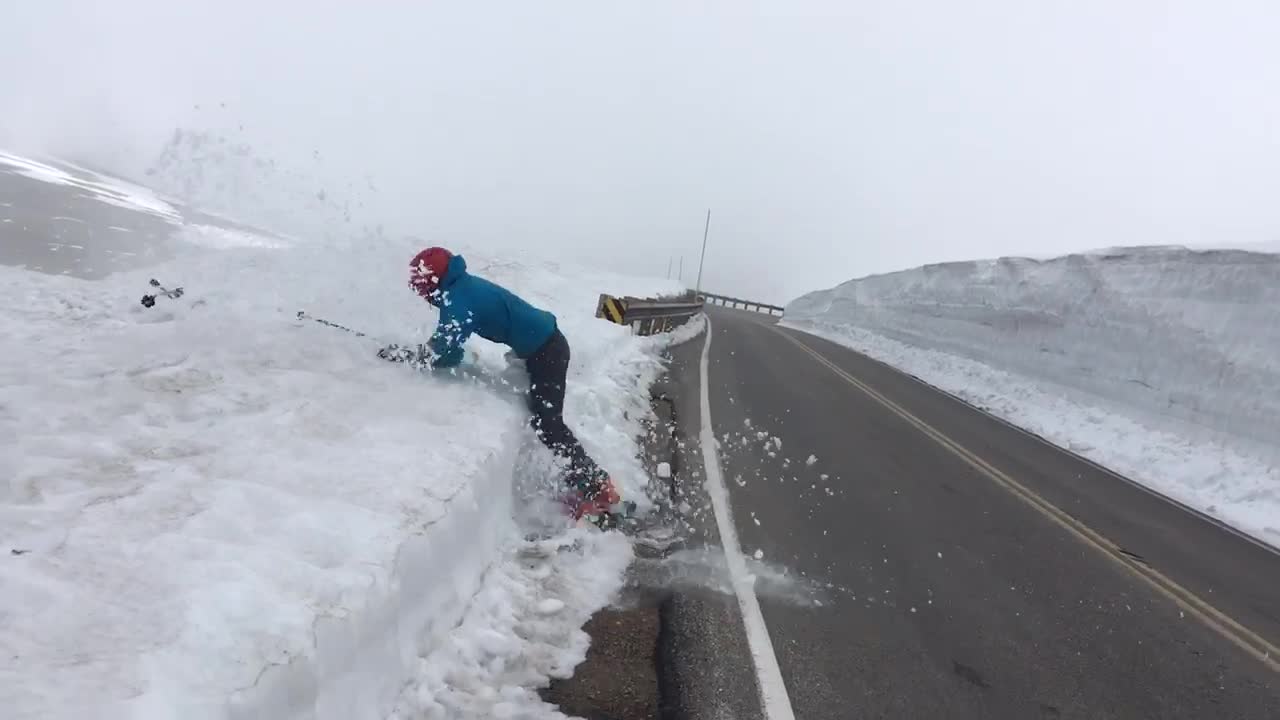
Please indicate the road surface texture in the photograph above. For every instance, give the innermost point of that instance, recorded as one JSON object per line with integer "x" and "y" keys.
{"x": 970, "y": 570}
{"x": 676, "y": 630}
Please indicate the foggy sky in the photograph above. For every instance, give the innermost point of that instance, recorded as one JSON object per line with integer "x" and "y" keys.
{"x": 830, "y": 140}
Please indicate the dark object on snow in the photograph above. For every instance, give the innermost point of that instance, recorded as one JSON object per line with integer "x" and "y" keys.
{"x": 302, "y": 315}
{"x": 624, "y": 519}
{"x": 16, "y": 551}
{"x": 149, "y": 300}
{"x": 418, "y": 358}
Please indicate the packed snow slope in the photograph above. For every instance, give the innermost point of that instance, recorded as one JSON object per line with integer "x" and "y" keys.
{"x": 1160, "y": 362}
{"x": 213, "y": 509}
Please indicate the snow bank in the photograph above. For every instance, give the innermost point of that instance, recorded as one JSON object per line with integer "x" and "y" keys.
{"x": 212, "y": 509}
{"x": 1161, "y": 363}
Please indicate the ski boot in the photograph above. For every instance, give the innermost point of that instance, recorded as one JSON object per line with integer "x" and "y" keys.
{"x": 599, "y": 501}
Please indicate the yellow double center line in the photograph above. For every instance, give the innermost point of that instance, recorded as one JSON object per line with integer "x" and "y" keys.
{"x": 1216, "y": 620}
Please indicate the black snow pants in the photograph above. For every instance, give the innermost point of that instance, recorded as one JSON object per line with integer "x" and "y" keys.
{"x": 547, "y": 370}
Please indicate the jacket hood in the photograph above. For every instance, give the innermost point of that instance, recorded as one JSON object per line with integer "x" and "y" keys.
{"x": 457, "y": 268}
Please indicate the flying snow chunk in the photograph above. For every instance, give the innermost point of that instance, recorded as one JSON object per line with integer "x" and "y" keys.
{"x": 759, "y": 555}
{"x": 550, "y": 606}
{"x": 812, "y": 459}
{"x": 664, "y": 470}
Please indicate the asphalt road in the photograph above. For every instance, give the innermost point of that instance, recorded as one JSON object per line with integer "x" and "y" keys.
{"x": 969, "y": 569}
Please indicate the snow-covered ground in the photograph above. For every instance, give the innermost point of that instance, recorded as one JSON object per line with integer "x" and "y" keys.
{"x": 1160, "y": 363}
{"x": 212, "y": 509}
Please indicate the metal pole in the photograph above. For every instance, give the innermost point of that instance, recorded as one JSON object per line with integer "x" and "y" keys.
{"x": 705, "y": 230}
{"x": 669, "y": 259}
{"x": 680, "y": 277}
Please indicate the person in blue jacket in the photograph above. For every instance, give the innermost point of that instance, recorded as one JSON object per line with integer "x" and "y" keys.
{"x": 472, "y": 305}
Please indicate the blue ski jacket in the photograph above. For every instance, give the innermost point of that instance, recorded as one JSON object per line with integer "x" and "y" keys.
{"x": 469, "y": 304}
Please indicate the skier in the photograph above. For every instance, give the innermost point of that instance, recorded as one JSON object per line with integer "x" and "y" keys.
{"x": 469, "y": 304}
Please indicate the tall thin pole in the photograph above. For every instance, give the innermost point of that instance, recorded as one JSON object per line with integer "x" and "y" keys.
{"x": 705, "y": 230}
{"x": 669, "y": 259}
{"x": 680, "y": 277}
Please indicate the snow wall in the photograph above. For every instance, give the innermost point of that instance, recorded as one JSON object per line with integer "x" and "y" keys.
{"x": 1163, "y": 332}
{"x": 213, "y": 509}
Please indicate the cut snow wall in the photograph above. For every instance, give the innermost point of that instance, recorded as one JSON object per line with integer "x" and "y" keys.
{"x": 362, "y": 661}
{"x": 362, "y": 658}
{"x": 255, "y": 517}
{"x": 1166, "y": 331}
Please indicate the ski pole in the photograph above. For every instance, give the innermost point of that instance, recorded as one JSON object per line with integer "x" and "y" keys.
{"x": 149, "y": 300}
{"x": 302, "y": 315}
{"x": 391, "y": 352}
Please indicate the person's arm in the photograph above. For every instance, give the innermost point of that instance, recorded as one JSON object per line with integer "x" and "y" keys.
{"x": 447, "y": 341}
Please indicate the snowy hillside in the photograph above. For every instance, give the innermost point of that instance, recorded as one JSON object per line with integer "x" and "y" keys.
{"x": 1161, "y": 363}
{"x": 213, "y": 509}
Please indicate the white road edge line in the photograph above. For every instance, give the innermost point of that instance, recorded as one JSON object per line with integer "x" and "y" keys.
{"x": 774, "y": 700}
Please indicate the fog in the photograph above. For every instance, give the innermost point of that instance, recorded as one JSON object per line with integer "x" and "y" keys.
{"x": 829, "y": 140}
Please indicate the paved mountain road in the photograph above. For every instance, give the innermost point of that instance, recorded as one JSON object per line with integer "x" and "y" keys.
{"x": 969, "y": 570}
